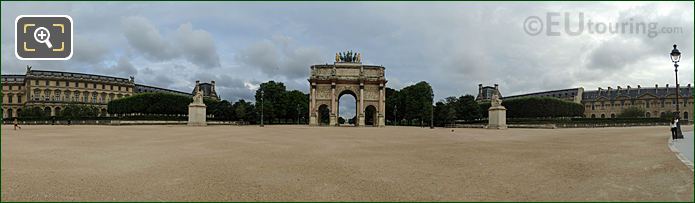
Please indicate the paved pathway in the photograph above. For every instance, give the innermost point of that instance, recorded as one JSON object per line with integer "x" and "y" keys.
{"x": 685, "y": 145}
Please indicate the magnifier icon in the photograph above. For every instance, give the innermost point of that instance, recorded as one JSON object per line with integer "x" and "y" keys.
{"x": 42, "y": 35}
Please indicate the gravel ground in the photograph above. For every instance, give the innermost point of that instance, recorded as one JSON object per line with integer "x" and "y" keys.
{"x": 299, "y": 163}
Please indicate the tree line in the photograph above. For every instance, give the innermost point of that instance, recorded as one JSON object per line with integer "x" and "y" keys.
{"x": 272, "y": 99}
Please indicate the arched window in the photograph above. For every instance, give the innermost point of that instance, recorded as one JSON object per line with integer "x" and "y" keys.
{"x": 685, "y": 116}
{"x": 648, "y": 115}
{"x": 593, "y": 116}
{"x": 603, "y": 115}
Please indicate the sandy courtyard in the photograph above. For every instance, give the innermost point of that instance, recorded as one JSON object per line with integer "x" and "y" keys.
{"x": 299, "y": 163}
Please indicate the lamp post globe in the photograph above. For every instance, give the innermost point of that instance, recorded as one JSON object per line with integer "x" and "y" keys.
{"x": 675, "y": 54}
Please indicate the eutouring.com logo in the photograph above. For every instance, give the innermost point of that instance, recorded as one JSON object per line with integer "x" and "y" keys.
{"x": 559, "y": 24}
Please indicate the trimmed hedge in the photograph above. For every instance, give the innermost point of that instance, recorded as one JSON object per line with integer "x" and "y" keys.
{"x": 538, "y": 107}
{"x": 151, "y": 103}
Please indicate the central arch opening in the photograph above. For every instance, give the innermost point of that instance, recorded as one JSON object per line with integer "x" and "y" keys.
{"x": 347, "y": 108}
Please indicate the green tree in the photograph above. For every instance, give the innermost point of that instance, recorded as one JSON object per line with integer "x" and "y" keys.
{"x": 244, "y": 111}
{"x": 79, "y": 111}
{"x": 416, "y": 101}
{"x": 632, "y": 112}
{"x": 273, "y": 93}
{"x": 296, "y": 105}
{"x": 33, "y": 112}
{"x": 467, "y": 108}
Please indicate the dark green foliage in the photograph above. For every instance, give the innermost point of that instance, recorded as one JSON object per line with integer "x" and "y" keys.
{"x": 632, "y": 112}
{"x": 453, "y": 109}
{"x": 151, "y": 103}
{"x": 413, "y": 104}
{"x": 33, "y": 112}
{"x": 538, "y": 107}
{"x": 74, "y": 111}
{"x": 280, "y": 105}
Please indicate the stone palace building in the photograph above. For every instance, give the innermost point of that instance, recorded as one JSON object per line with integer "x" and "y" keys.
{"x": 52, "y": 90}
{"x": 608, "y": 103}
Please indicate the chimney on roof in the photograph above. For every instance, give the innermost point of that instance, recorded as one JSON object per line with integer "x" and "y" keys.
{"x": 619, "y": 90}
{"x": 656, "y": 88}
{"x": 666, "y": 88}
{"x": 599, "y": 91}
{"x": 638, "y": 89}
{"x": 609, "y": 92}
{"x": 497, "y": 86}
{"x": 212, "y": 91}
{"x": 480, "y": 92}
{"x": 688, "y": 88}
{"x": 628, "y": 89}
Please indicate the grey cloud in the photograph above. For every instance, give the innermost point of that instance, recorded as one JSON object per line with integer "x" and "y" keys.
{"x": 197, "y": 46}
{"x": 123, "y": 68}
{"x": 89, "y": 49}
{"x": 279, "y": 57}
{"x": 145, "y": 37}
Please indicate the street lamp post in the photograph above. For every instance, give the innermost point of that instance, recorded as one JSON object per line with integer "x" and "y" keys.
{"x": 297, "y": 114}
{"x": 261, "y": 108}
{"x": 432, "y": 112}
{"x": 395, "y": 114}
{"x": 675, "y": 58}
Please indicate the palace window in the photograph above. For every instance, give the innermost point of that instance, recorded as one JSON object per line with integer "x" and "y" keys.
{"x": 47, "y": 95}
{"x": 36, "y": 82}
{"x": 85, "y": 85}
{"x": 94, "y": 85}
{"x": 19, "y": 98}
{"x": 57, "y": 95}
{"x": 9, "y": 100}
{"x": 37, "y": 94}
{"x": 663, "y": 103}
{"x": 47, "y": 83}
{"x": 94, "y": 97}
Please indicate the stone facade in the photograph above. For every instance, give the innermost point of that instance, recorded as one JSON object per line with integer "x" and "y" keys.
{"x": 610, "y": 102}
{"x": 656, "y": 101}
{"x": 52, "y": 90}
{"x": 331, "y": 81}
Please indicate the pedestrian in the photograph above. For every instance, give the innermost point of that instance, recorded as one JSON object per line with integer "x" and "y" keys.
{"x": 16, "y": 124}
{"x": 674, "y": 127}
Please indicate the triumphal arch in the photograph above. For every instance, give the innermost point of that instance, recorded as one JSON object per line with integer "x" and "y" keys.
{"x": 347, "y": 75}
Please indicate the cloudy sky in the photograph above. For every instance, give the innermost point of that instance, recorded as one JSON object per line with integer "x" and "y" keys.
{"x": 452, "y": 45}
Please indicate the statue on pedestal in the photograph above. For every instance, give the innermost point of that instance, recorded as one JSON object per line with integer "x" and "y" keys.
{"x": 497, "y": 114}
{"x": 197, "y": 108}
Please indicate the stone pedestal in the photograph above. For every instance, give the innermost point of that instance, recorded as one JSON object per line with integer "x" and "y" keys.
{"x": 333, "y": 121}
{"x": 360, "y": 120}
{"x": 497, "y": 117}
{"x": 382, "y": 122}
{"x": 313, "y": 121}
{"x": 196, "y": 115}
